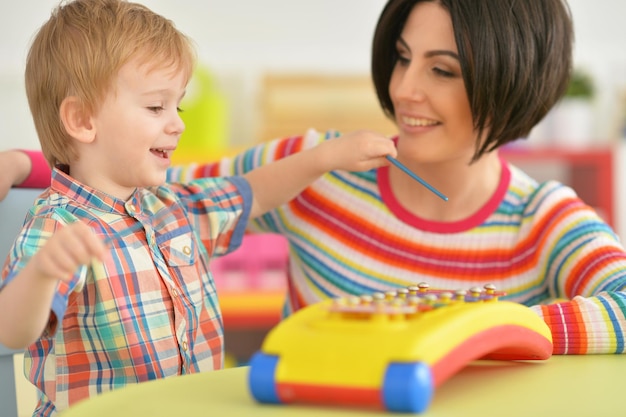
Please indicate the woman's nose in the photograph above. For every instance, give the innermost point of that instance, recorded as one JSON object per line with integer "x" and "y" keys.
{"x": 409, "y": 86}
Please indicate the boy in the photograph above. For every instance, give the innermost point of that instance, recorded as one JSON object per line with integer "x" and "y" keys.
{"x": 108, "y": 281}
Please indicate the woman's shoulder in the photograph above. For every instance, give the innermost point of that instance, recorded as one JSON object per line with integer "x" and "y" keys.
{"x": 524, "y": 187}
{"x": 549, "y": 198}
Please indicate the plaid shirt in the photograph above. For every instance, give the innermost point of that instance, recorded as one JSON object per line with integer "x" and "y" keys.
{"x": 150, "y": 309}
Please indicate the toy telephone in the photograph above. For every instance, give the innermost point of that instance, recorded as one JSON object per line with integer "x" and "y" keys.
{"x": 391, "y": 350}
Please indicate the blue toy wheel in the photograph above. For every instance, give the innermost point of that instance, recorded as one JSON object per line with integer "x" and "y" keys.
{"x": 261, "y": 378}
{"x": 407, "y": 387}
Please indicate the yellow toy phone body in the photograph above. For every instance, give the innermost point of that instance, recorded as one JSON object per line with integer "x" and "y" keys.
{"x": 391, "y": 350}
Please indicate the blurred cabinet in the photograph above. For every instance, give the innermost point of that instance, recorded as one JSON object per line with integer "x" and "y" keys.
{"x": 252, "y": 285}
{"x": 251, "y": 281}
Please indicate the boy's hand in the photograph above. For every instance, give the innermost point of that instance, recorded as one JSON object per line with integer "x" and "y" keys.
{"x": 70, "y": 247}
{"x": 29, "y": 295}
{"x": 361, "y": 150}
{"x": 282, "y": 180}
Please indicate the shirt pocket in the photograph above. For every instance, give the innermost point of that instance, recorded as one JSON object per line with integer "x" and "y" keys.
{"x": 179, "y": 251}
{"x": 190, "y": 274}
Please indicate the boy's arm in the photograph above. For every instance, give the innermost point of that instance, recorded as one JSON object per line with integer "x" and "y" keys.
{"x": 26, "y": 300}
{"x": 278, "y": 182}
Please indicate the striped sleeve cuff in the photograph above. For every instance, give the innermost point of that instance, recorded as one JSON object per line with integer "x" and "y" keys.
{"x": 582, "y": 326}
{"x": 40, "y": 174}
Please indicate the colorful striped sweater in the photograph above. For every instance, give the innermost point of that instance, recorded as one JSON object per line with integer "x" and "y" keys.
{"x": 537, "y": 241}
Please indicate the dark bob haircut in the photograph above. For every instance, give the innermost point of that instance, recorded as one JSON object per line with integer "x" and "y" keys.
{"x": 516, "y": 60}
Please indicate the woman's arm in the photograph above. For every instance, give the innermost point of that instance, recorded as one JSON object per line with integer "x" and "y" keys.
{"x": 586, "y": 265}
{"x": 587, "y": 325}
{"x": 23, "y": 168}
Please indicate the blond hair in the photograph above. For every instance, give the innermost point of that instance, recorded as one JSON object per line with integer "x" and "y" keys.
{"x": 79, "y": 51}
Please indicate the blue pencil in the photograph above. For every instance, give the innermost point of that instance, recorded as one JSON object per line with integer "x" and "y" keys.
{"x": 416, "y": 178}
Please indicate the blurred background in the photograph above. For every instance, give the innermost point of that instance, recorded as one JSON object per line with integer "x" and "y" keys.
{"x": 241, "y": 42}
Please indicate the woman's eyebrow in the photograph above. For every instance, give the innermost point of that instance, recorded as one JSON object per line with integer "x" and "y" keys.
{"x": 439, "y": 52}
{"x": 433, "y": 53}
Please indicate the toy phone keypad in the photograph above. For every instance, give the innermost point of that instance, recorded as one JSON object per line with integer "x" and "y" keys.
{"x": 391, "y": 350}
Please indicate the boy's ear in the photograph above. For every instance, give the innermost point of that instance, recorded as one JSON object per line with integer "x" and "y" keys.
{"x": 76, "y": 120}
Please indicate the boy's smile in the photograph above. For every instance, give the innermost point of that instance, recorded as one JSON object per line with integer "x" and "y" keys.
{"x": 162, "y": 153}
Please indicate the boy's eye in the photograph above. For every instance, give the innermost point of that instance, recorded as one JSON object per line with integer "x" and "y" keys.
{"x": 155, "y": 109}
{"x": 179, "y": 110}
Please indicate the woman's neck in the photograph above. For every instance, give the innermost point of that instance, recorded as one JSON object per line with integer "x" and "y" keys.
{"x": 468, "y": 188}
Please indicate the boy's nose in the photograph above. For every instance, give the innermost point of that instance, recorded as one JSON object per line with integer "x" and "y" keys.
{"x": 177, "y": 125}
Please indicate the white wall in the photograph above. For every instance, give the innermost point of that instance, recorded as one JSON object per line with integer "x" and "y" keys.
{"x": 241, "y": 39}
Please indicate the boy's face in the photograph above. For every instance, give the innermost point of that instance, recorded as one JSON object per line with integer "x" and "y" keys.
{"x": 137, "y": 129}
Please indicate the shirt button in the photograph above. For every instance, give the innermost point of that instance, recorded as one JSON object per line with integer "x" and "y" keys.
{"x": 185, "y": 345}
{"x": 174, "y": 293}
{"x": 153, "y": 240}
{"x": 186, "y": 250}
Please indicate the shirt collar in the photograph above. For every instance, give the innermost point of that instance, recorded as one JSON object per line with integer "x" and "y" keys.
{"x": 84, "y": 195}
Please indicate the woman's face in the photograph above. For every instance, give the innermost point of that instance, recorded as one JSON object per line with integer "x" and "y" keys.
{"x": 432, "y": 110}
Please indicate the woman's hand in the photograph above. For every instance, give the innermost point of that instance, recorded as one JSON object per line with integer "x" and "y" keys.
{"x": 15, "y": 168}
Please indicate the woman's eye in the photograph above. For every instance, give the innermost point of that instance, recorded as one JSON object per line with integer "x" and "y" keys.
{"x": 442, "y": 72}
{"x": 403, "y": 60}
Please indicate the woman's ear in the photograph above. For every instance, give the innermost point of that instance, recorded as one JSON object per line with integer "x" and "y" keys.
{"x": 76, "y": 120}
